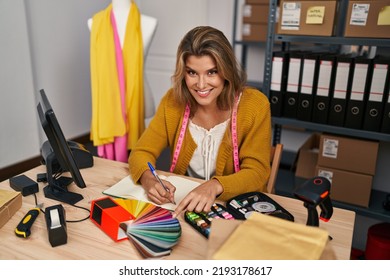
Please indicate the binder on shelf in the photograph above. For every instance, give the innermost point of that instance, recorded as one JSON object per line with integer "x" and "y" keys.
{"x": 308, "y": 86}
{"x": 341, "y": 90}
{"x": 386, "y": 114}
{"x": 375, "y": 103}
{"x": 361, "y": 77}
{"x": 293, "y": 83}
{"x": 278, "y": 82}
{"x": 324, "y": 89}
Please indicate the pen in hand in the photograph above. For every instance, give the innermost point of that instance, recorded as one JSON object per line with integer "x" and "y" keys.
{"x": 159, "y": 180}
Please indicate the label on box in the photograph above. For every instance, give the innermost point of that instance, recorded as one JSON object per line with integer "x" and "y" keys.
{"x": 384, "y": 16}
{"x": 327, "y": 174}
{"x": 247, "y": 11}
{"x": 330, "y": 148}
{"x": 359, "y": 14}
{"x": 246, "y": 29}
{"x": 291, "y": 16}
{"x": 315, "y": 15}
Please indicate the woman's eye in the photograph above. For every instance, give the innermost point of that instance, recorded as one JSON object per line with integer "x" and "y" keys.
{"x": 191, "y": 73}
{"x": 213, "y": 72}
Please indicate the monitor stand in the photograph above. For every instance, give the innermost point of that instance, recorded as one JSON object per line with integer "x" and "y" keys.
{"x": 57, "y": 190}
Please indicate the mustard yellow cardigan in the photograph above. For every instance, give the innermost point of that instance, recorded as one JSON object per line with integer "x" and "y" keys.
{"x": 254, "y": 142}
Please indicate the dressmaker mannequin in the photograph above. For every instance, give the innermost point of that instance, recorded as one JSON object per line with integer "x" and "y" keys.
{"x": 121, "y": 10}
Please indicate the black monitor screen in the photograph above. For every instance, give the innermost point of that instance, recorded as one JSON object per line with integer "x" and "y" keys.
{"x": 57, "y": 156}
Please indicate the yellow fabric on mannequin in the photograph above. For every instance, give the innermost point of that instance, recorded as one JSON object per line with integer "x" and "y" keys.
{"x": 107, "y": 120}
{"x": 133, "y": 62}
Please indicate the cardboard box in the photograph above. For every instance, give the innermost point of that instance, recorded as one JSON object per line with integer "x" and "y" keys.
{"x": 368, "y": 18}
{"x": 10, "y": 203}
{"x": 316, "y": 18}
{"x": 108, "y": 215}
{"x": 307, "y": 156}
{"x": 255, "y": 14}
{"x": 257, "y": 2}
{"x": 254, "y": 32}
{"x": 348, "y": 154}
{"x": 349, "y": 187}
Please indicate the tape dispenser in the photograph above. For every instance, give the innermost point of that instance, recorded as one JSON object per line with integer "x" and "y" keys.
{"x": 56, "y": 225}
{"x": 316, "y": 192}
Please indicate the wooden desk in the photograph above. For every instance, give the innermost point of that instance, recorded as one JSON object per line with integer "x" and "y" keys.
{"x": 87, "y": 241}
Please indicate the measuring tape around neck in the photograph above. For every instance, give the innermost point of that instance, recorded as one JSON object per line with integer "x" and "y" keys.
{"x": 235, "y": 137}
{"x": 181, "y": 137}
{"x": 183, "y": 131}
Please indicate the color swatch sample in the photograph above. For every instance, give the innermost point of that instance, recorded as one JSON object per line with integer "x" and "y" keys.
{"x": 153, "y": 231}
{"x": 202, "y": 221}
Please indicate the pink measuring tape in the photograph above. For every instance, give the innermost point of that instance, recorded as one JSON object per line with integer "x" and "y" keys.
{"x": 183, "y": 131}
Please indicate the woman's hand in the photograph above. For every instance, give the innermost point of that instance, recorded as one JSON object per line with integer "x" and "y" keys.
{"x": 201, "y": 198}
{"x": 155, "y": 192}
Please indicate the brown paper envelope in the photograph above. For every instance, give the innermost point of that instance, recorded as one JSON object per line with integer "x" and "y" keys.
{"x": 220, "y": 231}
{"x": 266, "y": 237}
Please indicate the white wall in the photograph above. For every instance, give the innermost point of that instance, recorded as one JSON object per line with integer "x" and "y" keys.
{"x": 46, "y": 45}
{"x": 59, "y": 43}
{"x": 18, "y": 124}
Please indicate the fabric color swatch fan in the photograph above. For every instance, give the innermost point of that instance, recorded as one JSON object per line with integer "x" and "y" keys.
{"x": 153, "y": 231}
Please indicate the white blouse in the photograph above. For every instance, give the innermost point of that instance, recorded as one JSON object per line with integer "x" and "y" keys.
{"x": 203, "y": 162}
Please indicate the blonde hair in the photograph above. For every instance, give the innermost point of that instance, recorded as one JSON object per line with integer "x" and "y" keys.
{"x": 206, "y": 40}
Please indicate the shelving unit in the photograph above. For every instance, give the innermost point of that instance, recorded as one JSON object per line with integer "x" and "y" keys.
{"x": 336, "y": 42}
{"x": 245, "y": 45}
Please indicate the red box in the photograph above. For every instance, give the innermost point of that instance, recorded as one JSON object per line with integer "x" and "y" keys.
{"x": 108, "y": 215}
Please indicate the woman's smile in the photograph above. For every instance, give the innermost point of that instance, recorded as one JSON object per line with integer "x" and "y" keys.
{"x": 203, "y": 80}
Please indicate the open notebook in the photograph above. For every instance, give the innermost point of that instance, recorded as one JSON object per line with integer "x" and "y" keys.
{"x": 126, "y": 188}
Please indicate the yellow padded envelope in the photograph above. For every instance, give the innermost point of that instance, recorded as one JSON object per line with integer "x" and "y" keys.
{"x": 263, "y": 237}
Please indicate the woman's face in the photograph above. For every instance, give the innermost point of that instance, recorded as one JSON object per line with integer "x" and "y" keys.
{"x": 203, "y": 80}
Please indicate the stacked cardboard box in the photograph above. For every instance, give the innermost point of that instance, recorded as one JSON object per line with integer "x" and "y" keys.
{"x": 348, "y": 163}
{"x": 10, "y": 203}
{"x": 368, "y": 18}
{"x": 316, "y": 18}
{"x": 255, "y": 20}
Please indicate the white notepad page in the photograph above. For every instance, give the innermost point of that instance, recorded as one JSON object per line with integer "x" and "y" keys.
{"x": 126, "y": 188}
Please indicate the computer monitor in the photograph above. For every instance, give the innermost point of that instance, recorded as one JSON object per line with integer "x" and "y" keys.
{"x": 58, "y": 157}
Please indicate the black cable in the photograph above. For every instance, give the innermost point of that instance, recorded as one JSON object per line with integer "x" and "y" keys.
{"x": 36, "y": 203}
{"x": 83, "y": 219}
{"x": 72, "y": 221}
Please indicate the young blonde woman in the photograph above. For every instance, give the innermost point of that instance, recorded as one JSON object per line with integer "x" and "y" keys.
{"x": 216, "y": 127}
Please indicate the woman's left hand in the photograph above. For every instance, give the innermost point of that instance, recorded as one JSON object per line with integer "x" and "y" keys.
{"x": 201, "y": 198}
